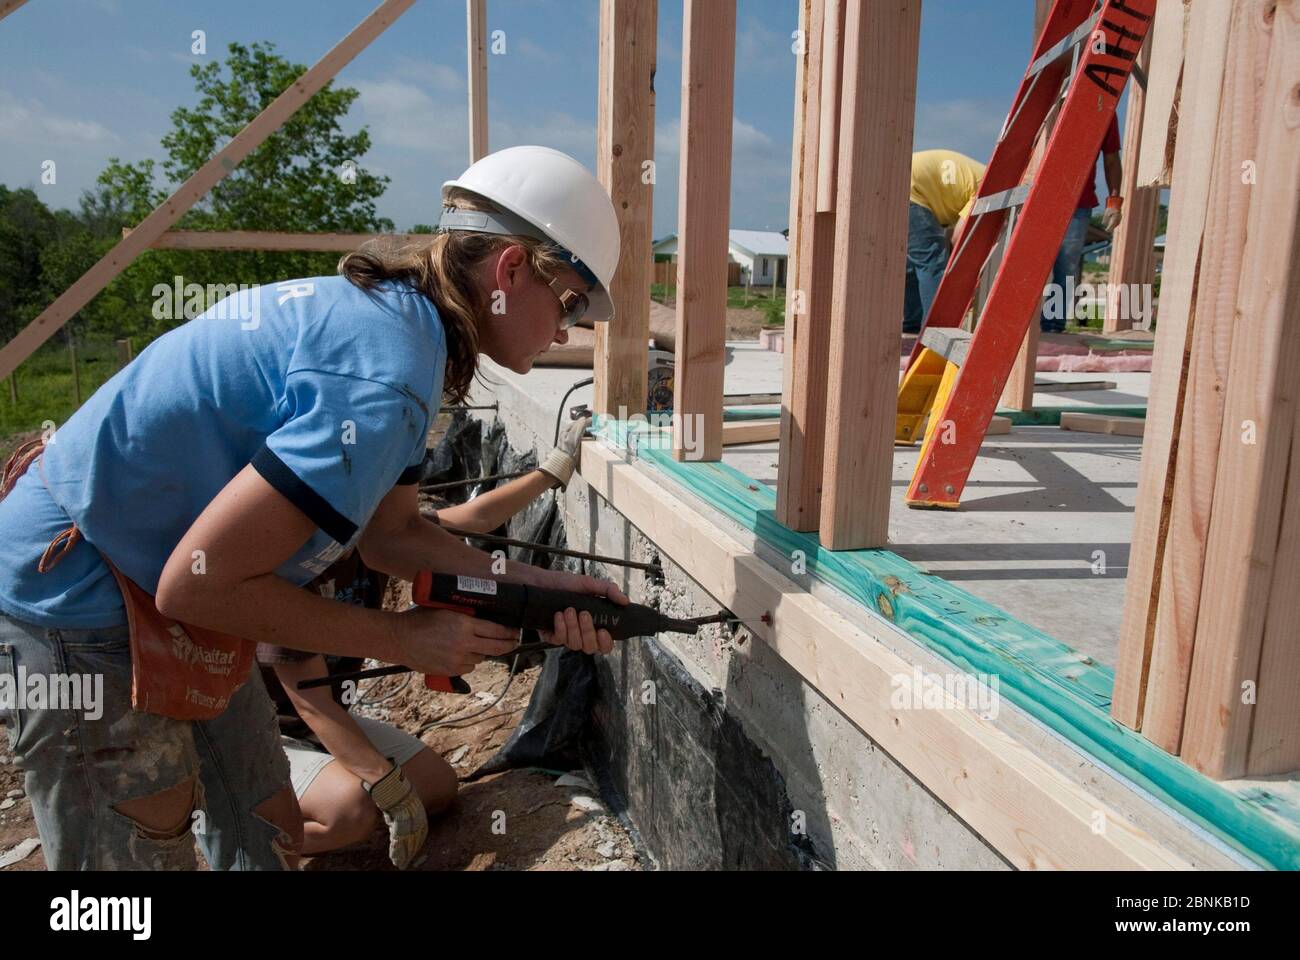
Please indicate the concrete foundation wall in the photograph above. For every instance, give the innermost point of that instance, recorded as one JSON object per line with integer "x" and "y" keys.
{"x": 738, "y": 762}
{"x": 724, "y": 756}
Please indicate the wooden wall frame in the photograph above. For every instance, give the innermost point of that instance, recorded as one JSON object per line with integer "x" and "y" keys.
{"x": 625, "y": 146}
{"x": 703, "y": 210}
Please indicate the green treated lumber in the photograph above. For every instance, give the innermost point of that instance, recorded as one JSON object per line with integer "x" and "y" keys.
{"x": 1068, "y": 692}
{"x": 1038, "y": 417}
{"x": 1051, "y": 416}
{"x": 751, "y": 413}
{"x": 1105, "y": 345}
{"x": 736, "y": 413}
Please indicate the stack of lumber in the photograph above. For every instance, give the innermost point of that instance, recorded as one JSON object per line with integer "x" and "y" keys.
{"x": 1209, "y": 649}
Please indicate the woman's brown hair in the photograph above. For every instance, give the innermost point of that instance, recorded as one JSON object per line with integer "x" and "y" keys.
{"x": 442, "y": 268}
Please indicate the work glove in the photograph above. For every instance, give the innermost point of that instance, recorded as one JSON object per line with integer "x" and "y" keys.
{"x": 1113, "y": 214}
{"x": 561, "y": 461}
{"x": 408, "y": 825}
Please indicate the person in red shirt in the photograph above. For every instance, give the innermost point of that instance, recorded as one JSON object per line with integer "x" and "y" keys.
{"x": 1055, "y": 308}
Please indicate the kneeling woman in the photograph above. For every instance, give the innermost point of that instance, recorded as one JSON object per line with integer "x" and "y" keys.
{"x": 168, "y": 526}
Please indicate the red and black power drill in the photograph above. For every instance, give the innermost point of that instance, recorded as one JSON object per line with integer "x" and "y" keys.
{"x": 519, "y": 605}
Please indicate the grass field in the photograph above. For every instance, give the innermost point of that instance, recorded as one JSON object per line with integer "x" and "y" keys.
{"x": 738, "y": 298}
{"x": 45, "y": 387}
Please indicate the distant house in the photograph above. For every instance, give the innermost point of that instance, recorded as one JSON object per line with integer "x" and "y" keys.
{"x": 761, "y": 254}
{"x": 1100, "y": 251}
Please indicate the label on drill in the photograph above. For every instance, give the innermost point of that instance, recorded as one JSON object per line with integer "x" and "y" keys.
{"x": 477, "y": 585}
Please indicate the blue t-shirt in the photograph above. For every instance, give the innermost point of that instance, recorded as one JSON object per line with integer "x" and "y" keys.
{"x": 328, "y": 391}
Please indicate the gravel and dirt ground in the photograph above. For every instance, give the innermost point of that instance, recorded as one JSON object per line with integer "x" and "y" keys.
{"x": 517, "y": 820}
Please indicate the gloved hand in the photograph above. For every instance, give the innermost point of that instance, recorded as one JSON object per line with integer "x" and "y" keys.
{"x": 408, "y": 825}
{"x": 561, "y": 461}
{"x": 1113, "y": 214}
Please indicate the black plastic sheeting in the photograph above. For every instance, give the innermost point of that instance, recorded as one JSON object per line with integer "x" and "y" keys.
{"x": 457, "y": 456}
{"x": 468, "y": 449}
{"x": 550, "y": 732}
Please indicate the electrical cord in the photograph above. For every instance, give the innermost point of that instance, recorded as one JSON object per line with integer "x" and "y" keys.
{"x": 514, "y": 667}
{"x": 364, "y": 701}
{"x": 559, "y": 414}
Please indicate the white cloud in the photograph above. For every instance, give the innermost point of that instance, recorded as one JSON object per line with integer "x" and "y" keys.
{"x": 31, "y": 122}
{"x": 536, "y": 51}
{"x": 668, "y": 138}
{"x": 159, "y": 56}
{"x": 746, "y": 136}
{"x": 967, "y": 126}
{"x": 760, "y": 49}
{"x": 419, "y": 108}
{"x": 760, "y": 177}
{"x": 556, "y": 129}
{"x": 437, "y": 77}
{"x": 403, "y": 115}
{"x": 421, "y": 136}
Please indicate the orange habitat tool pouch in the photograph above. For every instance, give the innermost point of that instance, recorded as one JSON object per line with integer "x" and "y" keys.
{"x": 178, "y": 670}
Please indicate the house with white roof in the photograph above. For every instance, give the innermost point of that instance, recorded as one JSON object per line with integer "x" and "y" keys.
{"x": 762, "y": 255}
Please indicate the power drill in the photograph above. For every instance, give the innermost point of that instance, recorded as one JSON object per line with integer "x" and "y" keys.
{"x": 520, "y": 605}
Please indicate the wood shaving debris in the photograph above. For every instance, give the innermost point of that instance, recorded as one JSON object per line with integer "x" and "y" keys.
{"x": 19, "y": 853}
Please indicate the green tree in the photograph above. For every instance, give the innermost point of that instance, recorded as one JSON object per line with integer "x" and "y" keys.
{"x": 77, "y": 242}
{"x": 308, "y": 176}
{"x": 26, "y": 227}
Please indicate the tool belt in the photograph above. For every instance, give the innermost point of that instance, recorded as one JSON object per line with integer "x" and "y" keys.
{"x": 178, "y": 670}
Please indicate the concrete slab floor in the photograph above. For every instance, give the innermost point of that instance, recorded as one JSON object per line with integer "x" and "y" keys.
{"x": 1046, "y": 518}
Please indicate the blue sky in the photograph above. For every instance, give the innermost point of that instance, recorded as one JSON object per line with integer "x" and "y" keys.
{"x": 84, "y": 80}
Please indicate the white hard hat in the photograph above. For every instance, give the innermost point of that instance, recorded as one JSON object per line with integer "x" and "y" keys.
{"x": 552, "y": 197}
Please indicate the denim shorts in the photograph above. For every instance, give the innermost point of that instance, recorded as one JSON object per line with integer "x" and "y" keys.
{"x": 307, "y": 760}
{"x": 85, "y": 751}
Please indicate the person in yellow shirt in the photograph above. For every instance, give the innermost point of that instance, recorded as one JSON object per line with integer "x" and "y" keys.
{"x": 944, "y": 184}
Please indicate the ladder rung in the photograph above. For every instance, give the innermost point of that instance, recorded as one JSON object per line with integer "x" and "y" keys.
{"x": 1033, "y": 74}
{"x": 951, "y": 343}
{"x": 1059, "y": 49}
{"x": 1001, "y": 201}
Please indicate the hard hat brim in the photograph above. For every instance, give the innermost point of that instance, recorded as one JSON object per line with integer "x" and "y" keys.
{"x": 600, "y": 304}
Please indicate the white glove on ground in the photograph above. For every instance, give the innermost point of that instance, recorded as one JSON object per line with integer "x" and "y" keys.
{"x": 408, "y": 825}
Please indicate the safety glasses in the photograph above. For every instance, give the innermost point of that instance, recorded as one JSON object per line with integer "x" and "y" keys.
{"x": 572, "y": 302}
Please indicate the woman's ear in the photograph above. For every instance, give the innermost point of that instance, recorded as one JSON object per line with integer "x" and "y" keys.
{"x": 510, "y": 266}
